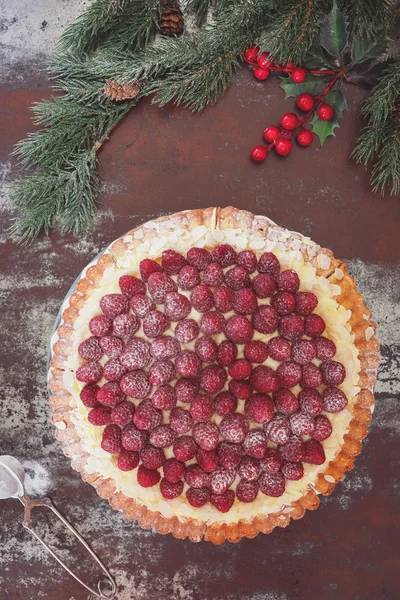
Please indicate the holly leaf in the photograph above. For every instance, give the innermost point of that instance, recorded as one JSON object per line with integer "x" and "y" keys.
{"x": 314, "y": 84}
{"x": 315, "y": 58}
{"x": 333, "y": 32}
{"x": 324, "y": 129}
{"x": 362, "y": 50}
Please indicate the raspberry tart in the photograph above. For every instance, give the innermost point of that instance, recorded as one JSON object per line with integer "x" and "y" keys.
{"x": 212, "y": 374}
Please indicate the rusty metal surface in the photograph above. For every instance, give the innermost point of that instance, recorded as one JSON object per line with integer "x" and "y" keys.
{"x": 164, "y": 160}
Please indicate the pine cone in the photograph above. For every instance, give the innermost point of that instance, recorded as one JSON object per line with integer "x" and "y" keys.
{"x": 119, "y": 92}
{"x": 172, "y": 21}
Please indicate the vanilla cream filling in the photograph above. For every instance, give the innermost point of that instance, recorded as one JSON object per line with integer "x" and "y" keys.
{"x": 338, "y": 329}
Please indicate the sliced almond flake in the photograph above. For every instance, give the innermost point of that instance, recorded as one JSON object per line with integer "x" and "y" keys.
{"x": 257, "y": 243}
{"x": 329, "y": 478}
{"x": 218, "y": 235}
{"x": 270, "y": 245}
{"x": 369, "y": 332}
{"x": 199, "y": 232}
{"x": 128, "y": 239}
{"x": 138, "y": 235}
{"x": 339, "y": 274}
{"x": 60, "y": 424}
{"x": 214, "y": 219}
{"x": 281, "y": 246}
{"x": 288, "y": 510}
{"x": 323, "y": 261}
{"x": 308, "y": 241}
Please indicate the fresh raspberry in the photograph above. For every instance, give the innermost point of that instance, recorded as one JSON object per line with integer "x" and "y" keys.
{"x": 244, "y": 301}
{"x": 256, "y": 351}
{"x": 164, "y": 398}
{"x": 164, "y": 347}
{"x": 220, "y": 480}
{"x": 184, "y": 448}
{"x": 206, "y": 349}
{"x": 186, "y": 331}
{"x": 323, "y": 428}
{"x": 302, "y": 423}
{"x": 130, "y": 286}
{"x": 212, "y": 322}
{"x": 212, "y": 379}
{"x": 171, "y": 490}
{"x": 248, "y": 260}
{"x": 147, "y": 267}
{"x": 249, "y": 468}
{"x": 207, "y": 459}
{"x": 229, "y": 455}
{"x": 325, "y": 348}
{"x": 278, "y": 430}
{"x": 141, "y": 305}
{"x": 224, "y": 502}
{"x": 136, "y": 355}
{"x": 151, "y": 457}
{"x": 313, "y": 452}
{"x": 223, "y": 299}
{"x": 333, "y": 373}
{"x": 306, "y": 302}
{"x": 311, "y": 376}
{"x": 233, "y": 428}
{"x": 291, "y": 327}
{"x": 265, "y": 319}
{"x": 147, "y": 477}
{"x": 147, "y": 416}
{"x": 186, "y": 390}
{"x": 180, "y": 420}
{"x": 286, "y": 402}
{"x": 155, "y": 323}
{"x": 90, "y": 372}
{"x": 100, "y": 415}
{"x": 310, "y": 401}
{"x": 125, "y": 325}
{"x": 159, "y": 285}
{"x": 172, "y": 262}
{"x": 114, "y": 304}
{"x": 161, "y": 372}
{"x": 199, "y": 258}
{"x": 202, "y": 408}
{"x": 188, "y": 364}
{"x": 134, "y": 439}
{"x": 122, "y": 413}
{"x": 259, "y": 408}
{"x": 289, "y": 374}
{"x": 272, "y": 484}
{"x": 239, "y": 329}
{"x": 303, "y": 352}
{"x": 226, "y": 353}
{"x": 241, "y": 389}
{"x": 247, "y": 491}
{"x": 111, "y": 439}
{"x": 206, "y": 435}
{"x": 255, "y": 443}
{"x": 271, "y": 461}
{"x": 90, "y": 349}
{"x": 279, "y": 349}
{"x": 225, "y": 403}
{"x": 197, "y": 498}
{"x": 293, "y": 450}
{"x": 195, "y": 476}
{"x": 268, "y": 263}
{"x": 173, "y": 470}
{"x": 224, "y": 255}
{"x": 237, "y": 278}
{"x": 162, "y": 436}
{"x": 202, "y": 298}
{"x": 288, "y": 281}
{"x": 127, "y": 461}
{"x": 100, "y": 325}
{"x": 112, "y": 346}
{"x": 177, "y": 306}
{"x": 283, "y": 302}
{"x": 292, "y": 470}
{"x": 188, "y": 278}
{"x": 334, "y": 400}
{"x": 240, "y": 369}
{"x": 264, "y": 380}
{"x": 264, "y": 285}
{"x": 213, "y": 275}
{"x": 88, "y": 395}
{"x": 314, "y": 325}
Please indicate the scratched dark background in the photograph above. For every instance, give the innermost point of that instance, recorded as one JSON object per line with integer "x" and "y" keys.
{"x": 160, "y": 161}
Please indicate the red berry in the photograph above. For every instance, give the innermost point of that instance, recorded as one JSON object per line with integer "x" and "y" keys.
{"x": 195, "y": 476}
{"x": 334, "y": 400}
{"x": 172, "y": 262}
{"x": 325, "y": 112}
{"x": 226, "y": 353}
{"x": 186, "y": 331}
{"x": 188, "y": 278}
{"x": 141, "y": 305}
{"x": 333, "y": 373}
{"x": 122, "y": 413}
{"x": 310, "y": 401}
{"x": 272, "y": 484}
{"x": 224, "y": 502}
{"x": 177, "y": 306}
{"x": 188, "y": 364}
{"x": 90, "y": 349}
{"x": 241, "y": 389}
{"x": 199, "y": 258}
{"x": 305, "y": 102}
{"x": 244, "y": 301}
{"x": 305, "y": 137}
{"x": 164, "y": 347}
{"x": 224, "y": 255}
{"x": 302, "y": 423}
{"x": 299, "y": 75}
{"x": 112, "y": 346}
{"x": 161, "y": 372}
{"x": 147, "y": 267}
{"x": 248, "y": 260}
{"x": 202, "y": 408}
{"x": 125, "y": 325}
{"x": 136, "y": 355}
{"x": 303, "y": 352}
{"x": 261, "y": 73}
{"x": 237, "y": 278}
{"x": 229, "y": 455}
{"x": 220, "y": 480}
{"x": 159, "y": 285}
{"x": 291, "y": 327}
{"x": 265, "y": 319}
{"x": 127, "y": 461}
{"x": 130, "y": 285}
{"x": 279, "y": 349}
{"x": 180, "y": 420}
{"x": 206, "y": 349}
{"x": 100, "y": 325}
{"x": 314, "y": 325}
{"x": 90, "y": 372}
{"x": 251, "y": 53}
{"x": 247, "y": 491}
{"x": 283, "y": 302}
{"x": 288, "y": 281}
{"x": 238, "y": 329}
{"x": 173, "y": 470}
{"x": 155, "y": 323}
{"x": 271, "y": 461}
{"x": 325, "y": 348}
{"x": 197, "y": 497}
{"x": 147, "y": 477}
{"x": 306, "y": 302}
{"x": 313, "y": 452}
{"x": 249, "y": 468}
{"x": 171, "y": 490}
{"x": 256, "y": 351}
{"x": 278, "y": 430}
{"x": 212, "y": 322}
{"x": 162, "y": 436}
{"x": 264, "y": 285}
{"x": 133, "y": 438}
{"x": 289, "y": 121}
{"x": 259, "y": 408}
{"x": 100, "y": 415}
{"x": 241, "y": 369}
{"x": 283, "y": 146}
{"x": 293, "y": 450}
{"x": 88, "y": 395}
{"x": 225, "y": 403}
{"x": 259, "y": 153}
{"x": 147, "y": 416}
{"x": 114, "y": 304}
{"x": 233, "y": 428}
{"x": 292, "y": 470}
{"x": 268, "y": 263}
{"x": 151, "y": 457}
{"x": 255, "y": 443}
{"x": 212, "y": 379}
{"x": 323, "y": 428}
{"x": 213, "y": 275}
{"x": 286, "y": 402}
{"x": 111, "y": 439}
{"x": 289, "y": 65}
{"x": 311, "y": 376}
{"x": 207, "y": 459}
{"x": 263, "y": 60}
{"x": 184, "y": 447}
{"x": 186, "y": 390}
{"x": 271, "y": 133}
{"x": 202, "y": 297}
{"x": 264, "y": 380}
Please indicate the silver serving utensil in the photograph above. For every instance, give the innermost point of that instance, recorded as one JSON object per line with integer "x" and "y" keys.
{"x": 12, "y": 476}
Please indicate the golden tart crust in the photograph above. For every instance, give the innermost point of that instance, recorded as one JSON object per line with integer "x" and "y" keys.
{"x": 326, "y": 265}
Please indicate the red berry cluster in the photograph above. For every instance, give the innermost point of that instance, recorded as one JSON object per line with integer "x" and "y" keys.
{"x": 161, "y": 370}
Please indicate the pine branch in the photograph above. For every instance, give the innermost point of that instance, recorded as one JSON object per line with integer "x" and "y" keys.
{"x": 138, "y": 27}
{"x": 369, "y": 18}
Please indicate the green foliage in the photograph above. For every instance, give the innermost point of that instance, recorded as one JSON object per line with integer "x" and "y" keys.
{"x": 314, "y": 84}
{"x": 333, "y": 33}
{"x": 369, "y": 18}
{"x": 323, "y": 129}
